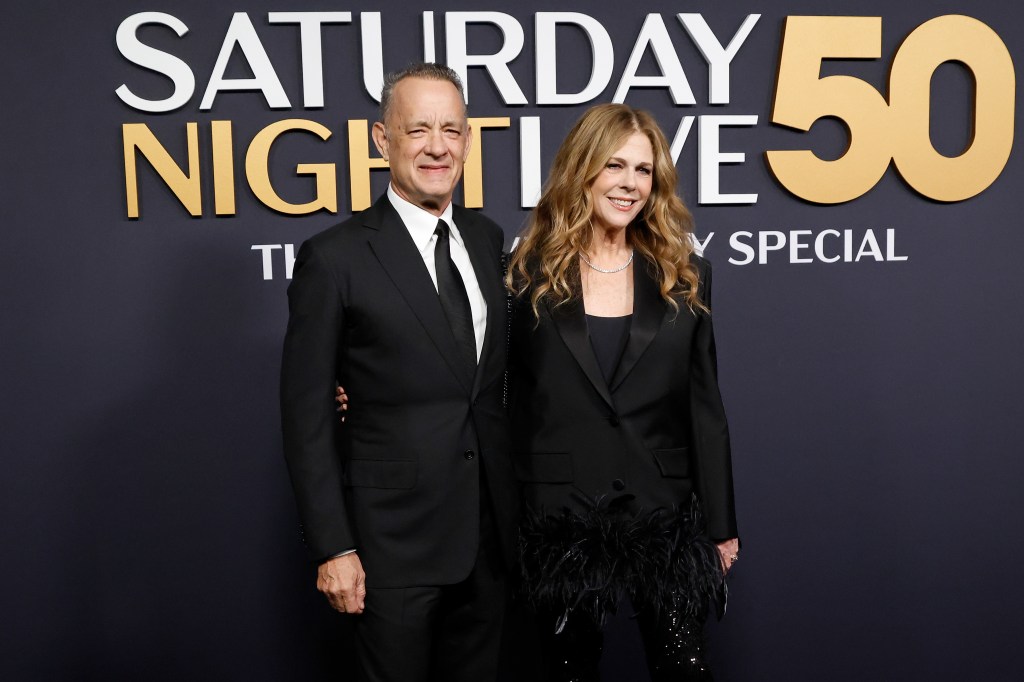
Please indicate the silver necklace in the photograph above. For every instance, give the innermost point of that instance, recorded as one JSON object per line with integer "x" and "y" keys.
{"x": 613, "y": 270}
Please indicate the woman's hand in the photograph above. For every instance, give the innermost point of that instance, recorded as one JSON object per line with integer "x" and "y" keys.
{"x": 341, "y": 398}
{"x": 729, "y": 551}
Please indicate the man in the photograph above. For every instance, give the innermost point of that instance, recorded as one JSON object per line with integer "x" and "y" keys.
{"x": 409, "y": 506}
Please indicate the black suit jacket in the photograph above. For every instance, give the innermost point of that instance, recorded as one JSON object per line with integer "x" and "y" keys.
{"x": 654, "y": 434}
{"x": 400, "y": 479}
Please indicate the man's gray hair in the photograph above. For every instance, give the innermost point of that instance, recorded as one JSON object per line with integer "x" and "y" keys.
{"x": 426, "y": 70}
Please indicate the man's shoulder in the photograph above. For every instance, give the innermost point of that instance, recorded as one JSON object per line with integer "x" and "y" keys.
{"x": 346, "y": 229}
{"x": 477, "y": 221}
{"x": 352, "y": 229}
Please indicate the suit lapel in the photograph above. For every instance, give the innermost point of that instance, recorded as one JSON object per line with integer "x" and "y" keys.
{"x": 397, "y": 253}
{"x": 488, "y": 277}
{"x": 571, "y": 323}
{"x": 649, "y": 310}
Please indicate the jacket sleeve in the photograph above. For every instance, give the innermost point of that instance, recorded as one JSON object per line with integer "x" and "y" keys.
{"x": 308, "y": 418}
{"x": 710, "y": 427}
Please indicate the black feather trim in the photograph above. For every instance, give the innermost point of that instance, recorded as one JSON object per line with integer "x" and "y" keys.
{"x": 585, "y": 561}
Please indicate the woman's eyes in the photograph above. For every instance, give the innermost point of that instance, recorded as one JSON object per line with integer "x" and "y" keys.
{"x": 616, "y": 166}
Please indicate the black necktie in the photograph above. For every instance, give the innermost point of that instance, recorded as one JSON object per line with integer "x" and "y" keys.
{"x": 454, "y": 300}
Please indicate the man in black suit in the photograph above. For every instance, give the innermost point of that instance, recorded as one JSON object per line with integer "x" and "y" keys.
{"x": 409, "y": 506}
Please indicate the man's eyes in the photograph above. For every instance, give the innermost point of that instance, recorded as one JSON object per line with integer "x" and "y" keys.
{"x": 420, "y": 132}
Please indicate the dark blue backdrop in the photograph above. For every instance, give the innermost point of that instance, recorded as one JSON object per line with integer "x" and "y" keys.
{"x": 148, "y": 526}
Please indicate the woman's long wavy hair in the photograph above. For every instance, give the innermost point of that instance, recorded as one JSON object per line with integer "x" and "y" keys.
{"x": 546, "y": 261}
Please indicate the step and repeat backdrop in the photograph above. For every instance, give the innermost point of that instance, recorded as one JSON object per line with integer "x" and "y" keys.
{"x": 852, "y": 170}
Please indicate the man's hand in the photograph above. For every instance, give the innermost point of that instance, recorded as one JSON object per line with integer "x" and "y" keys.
{"x": 729, "y": 552}
{"x": 343, "y": 582}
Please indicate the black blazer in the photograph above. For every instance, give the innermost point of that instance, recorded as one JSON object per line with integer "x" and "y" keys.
{"x": 655, "y": 433}
{"x": 400, "y": 479}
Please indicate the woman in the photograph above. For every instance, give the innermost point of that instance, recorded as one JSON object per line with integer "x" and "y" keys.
{"x": 619, "y": 434}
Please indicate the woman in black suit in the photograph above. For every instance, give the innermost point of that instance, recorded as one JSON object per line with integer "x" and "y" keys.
{"x": 620, "y": 438}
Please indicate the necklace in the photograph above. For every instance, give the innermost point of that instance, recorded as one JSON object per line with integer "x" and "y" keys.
{"x": 613, "y": 270}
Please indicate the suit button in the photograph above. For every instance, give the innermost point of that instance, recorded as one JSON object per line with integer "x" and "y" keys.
{"x": 613, "y": 420}
{"x": 469, "y": 454}
{"x": 618, "y": 484}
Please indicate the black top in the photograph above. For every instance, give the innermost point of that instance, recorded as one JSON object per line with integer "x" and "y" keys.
{"x": 608, "y": 336}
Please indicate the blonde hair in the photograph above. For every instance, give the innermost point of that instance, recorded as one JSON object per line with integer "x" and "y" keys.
{"x": 546, "y": 262}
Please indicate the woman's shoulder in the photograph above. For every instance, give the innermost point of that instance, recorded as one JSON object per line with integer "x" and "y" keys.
{"x": 525, "y": 269}
{"x": 700, "y": 262}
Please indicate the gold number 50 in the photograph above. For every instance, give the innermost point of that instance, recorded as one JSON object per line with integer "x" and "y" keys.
{"x": 896, "y": 130}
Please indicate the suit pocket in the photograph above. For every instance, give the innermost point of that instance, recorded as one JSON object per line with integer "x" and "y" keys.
{"x": 381, "y": 473}
{"x": 674, "y": 462}
{"x": 543, "y": 467}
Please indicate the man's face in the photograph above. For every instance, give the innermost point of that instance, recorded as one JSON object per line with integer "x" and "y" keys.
{"x": 425, "y": 140}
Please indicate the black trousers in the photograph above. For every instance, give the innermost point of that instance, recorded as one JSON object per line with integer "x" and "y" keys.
{"x": 449, "y": 633}
{"x": 673, "y": 644}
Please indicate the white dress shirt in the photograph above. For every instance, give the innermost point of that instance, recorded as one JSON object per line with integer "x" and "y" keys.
{"x": 421, "y": 226}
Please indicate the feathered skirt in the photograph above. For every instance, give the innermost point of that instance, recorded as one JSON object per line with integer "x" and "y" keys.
{"x": 585, "y": 561}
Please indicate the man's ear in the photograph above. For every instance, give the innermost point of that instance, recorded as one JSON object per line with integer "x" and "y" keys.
{"x": 380, "y": 139}
{"x": 469, "y": 142}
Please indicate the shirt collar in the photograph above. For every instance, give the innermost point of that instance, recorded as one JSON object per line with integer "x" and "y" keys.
{"x": 420, "y": 223}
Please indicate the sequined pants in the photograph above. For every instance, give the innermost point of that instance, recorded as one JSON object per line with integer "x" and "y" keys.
{"x": 674, "y": 647}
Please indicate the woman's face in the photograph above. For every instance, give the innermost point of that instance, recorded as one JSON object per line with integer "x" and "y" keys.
{"x": 621, "y": 189}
